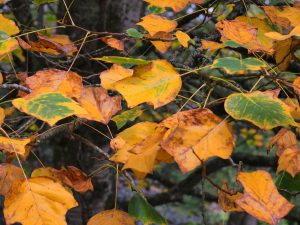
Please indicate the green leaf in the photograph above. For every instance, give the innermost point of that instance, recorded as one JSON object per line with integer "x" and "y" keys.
{"x": 49, "y": 106}
{"x": 261, "y": 109}
{"x": 134, "y": 33}
{"x": 287, "y": 182}
{"x": 124, "y": 117}
{"x": 233, "y": 65}
{"x": 155, "y": 9}
{"x": 232, "y": 44}
{"x": 40, "y": 2}
{"x": 3, "y": 37}
{"x": 123, "y": 60}
{"x": 255, "y": 11}
{"x": 141, "y": 210}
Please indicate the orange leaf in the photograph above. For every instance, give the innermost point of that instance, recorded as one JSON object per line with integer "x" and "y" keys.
{"x": 196, "y": 135}
{"x": 284, "y": 139}
{"x": 111, "y": 217}
{"x": 162, "y": 46}
{"x": 183, "y": 38}
{"x": 154, "y": 24}
{"x": 227, "y": 202}
{"x": 261, "y": 198}
{"x": 16, "y": 146}
{"x": 114, "y": 43}
{"x": 70, "y": 176}
{"x": 296, "y": 85}
{"x": 98, "y": 104}
{"x": 294, "y": 107}
{"x": 2, "y": 115}
{"x": 283, "y": 16}
{"x": 9, "y": 174}
{"x": 114, "y": 74}
{"x": 289, "y": 161}
{"x": 211, "y": 45}
{"x": 280, "y": 37}
{"x": 68, "y": 83}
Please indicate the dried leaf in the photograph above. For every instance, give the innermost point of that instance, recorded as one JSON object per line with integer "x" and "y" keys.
{"x": 9, "y": 174}
{"x": 183, "y": 38}
{"x": 227, "y": 202}
{"x": 114, "y": 43}
{"x": 54, "y": 80}
{"x": 98, "y": 104}
{"x": 111, "y": 217}
{"x": 38, "y": 201}
{"x": 261, "y": 198}
{"x": 114, "y": 74}
{"x": 154, "y": 24}
{"x": 284, "y": 139}
{"x": 289, "y": 161}
{"x": 196, "y": 135}
{"x": 48, "y": 106}
{"x": 70, "y": 176}
{"x": 157, "y": 83}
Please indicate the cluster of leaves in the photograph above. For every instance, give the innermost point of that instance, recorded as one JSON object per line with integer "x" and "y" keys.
{"x": 189, "y": 137}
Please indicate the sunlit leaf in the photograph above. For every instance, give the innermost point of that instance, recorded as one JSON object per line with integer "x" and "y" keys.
{"x": 38, "y": 201}
{"x": 261, "y": 109}
{"x": 261, "y": 198}
{"x": 48, "y": 106}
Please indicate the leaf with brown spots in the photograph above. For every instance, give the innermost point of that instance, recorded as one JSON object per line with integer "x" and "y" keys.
{"x": 284, "y": 139}
{"x": 9, "y": 174}
{"x": 289, "y": 161}
{"x": 227, "y": 202}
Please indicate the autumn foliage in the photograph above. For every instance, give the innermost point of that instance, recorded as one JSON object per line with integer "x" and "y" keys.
{"x": 250, "y": 53}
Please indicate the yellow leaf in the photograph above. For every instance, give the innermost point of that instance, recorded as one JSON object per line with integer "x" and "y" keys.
{"x": 196, "y": 135}
{"x": 48, "y": 106}
{"x": 284, "y": 139}
{"x": 294, "y": 107}
{"x": 157, "y": 83}
{"x": 296, "y": 85}
{"x": 154, "y": 24}
{"x": 8, "y": 26}
{"x": 138, "y": 148}
{"x": 38, "y": 201}
{"x": 114, "y": 43}
{"x": 54, "y": 80}
{"x": 70, "y": 176}
{"x": 111, "y": 217}
{"x": 9, "y": 174}
{"x": 19, "y": 146}
{"x": 114, "y": 74}
{"x": 289, "y": 161}
{"x": 211, "y": 45}
{"x": 2, "y": 115}
{"x": 283, "y": 16}
{"x": 280, "y": 37}
{"x": 177, "y": 5}
{"x": 261, "y": 198}
{"x": 8, "y": 46}
{"x": 162, "y": 46}
{"x": 227, "y": 202}
{"x": 98, "y": 104}
{"x": 183, "y": 38}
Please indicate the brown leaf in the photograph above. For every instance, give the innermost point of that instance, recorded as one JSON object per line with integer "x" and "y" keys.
{"x": 54, "y": 80}
{"x": 284, "y": 139}
{"x": 99, "y": 105}
{"x": 9, "y": 174}
{"x": 227, "y": 202}
{"x": 261, "y": 198}
{"x": 196, "y": 135}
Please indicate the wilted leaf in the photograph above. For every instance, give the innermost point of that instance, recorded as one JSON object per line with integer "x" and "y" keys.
{"x": 141, "y": 210}
{"x": 227, "y": 202}
{"x": 176, "y": 6}
{"x": 54, "y": 80}
{"x": 233, "y": 65}
{"x": 70, "y": 176}
{"x": 289, "y": 161}
{"x": 38, "y": 201}
{"x": 196, "y": 135}
{"x": 154, "y": 24}
{"x": 55, "y": 44}
{"x": 157, "y": 83}
{"x": 9, "y": 174}
{"x": 115, "y": 73}
{"x": 261, "y": 109}
{"x": 114, "y": 43}
{"x": 123, "y": 60}
{"x": 124, "y": 117}
{"x": 48, "y": 106}
{"x": 261, "y": 198}
{"x": 111, "y": 217}
{"x": 183, "y": 38}
{"x": 16, "y": 146}
{"x": 284, "y": 139}
{"x": 98, "y": 104}
{"x": 137, "y": 147}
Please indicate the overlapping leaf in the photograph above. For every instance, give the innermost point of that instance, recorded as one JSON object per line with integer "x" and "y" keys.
{"x": 227, "y": 202}
{"x": 16, "y": 146}
{"x": 9, "y": 174}
{"x": 284, "y": 139}
{"x": 7, "y": 29}
{"x": 289, "y": 161}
